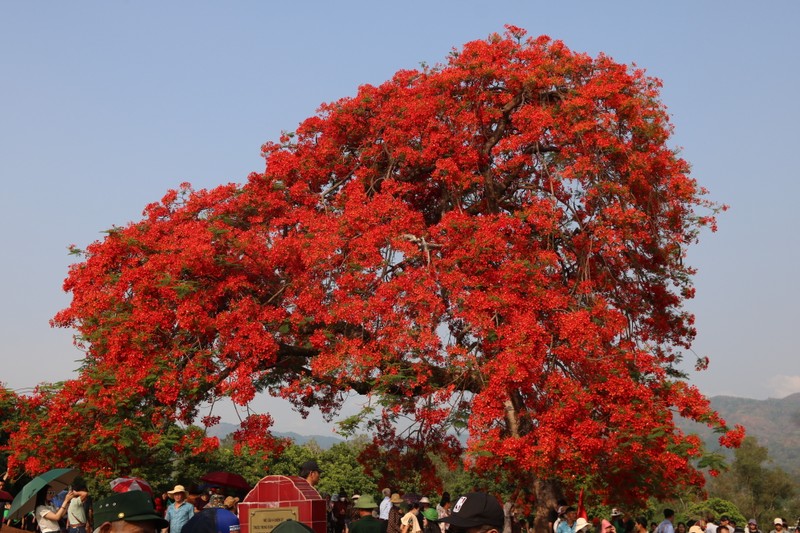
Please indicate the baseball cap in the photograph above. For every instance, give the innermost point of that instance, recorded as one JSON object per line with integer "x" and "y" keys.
{"x": 476, "y": 509}
{"x": 777, "y": 521}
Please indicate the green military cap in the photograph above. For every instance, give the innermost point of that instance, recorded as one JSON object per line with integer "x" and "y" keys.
{"x": 131, "y": 506}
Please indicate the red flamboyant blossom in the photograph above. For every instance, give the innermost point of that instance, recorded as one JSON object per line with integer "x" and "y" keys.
{"x": 497, "y": 242}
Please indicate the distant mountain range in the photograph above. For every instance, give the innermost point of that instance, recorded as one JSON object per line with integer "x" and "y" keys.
{"x": 223, "y": 429}
{"x": 775, "y": 423}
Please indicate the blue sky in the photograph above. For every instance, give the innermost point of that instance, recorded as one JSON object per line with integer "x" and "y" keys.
{"x": 106, "y": 105}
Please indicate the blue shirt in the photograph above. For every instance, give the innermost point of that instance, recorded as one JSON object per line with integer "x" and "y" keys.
{"x": 563, "y": 527}
{"x": 178, "y": 516}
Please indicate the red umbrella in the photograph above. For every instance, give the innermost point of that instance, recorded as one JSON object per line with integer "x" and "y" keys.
{"x": 226, "y": 479}
{"x": 124, "y": 484}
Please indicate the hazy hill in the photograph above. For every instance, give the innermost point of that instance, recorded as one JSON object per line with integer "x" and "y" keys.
{"x": 774, "y": 422}
{"x": 224, "y": 429}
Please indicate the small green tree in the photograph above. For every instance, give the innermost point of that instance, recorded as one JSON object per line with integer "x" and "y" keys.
{"x": 715, "y": 507}
{"x": 289, "y": 462}
{"x": 341, "y": 469}
{"x": 759, "y": 491}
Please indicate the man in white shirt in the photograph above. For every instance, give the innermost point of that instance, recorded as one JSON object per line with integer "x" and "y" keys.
{"x": 666, "y": 525}
{"x": 386, "y": 504}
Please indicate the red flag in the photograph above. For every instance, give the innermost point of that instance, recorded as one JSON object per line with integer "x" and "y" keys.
{"x": 581, "y": 508}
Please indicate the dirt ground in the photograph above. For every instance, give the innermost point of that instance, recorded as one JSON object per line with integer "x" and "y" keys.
{"x": 9, "y": 529}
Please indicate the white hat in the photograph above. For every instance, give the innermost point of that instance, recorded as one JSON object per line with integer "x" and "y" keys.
{"x": 778, "y": 521}
{"x": 616, "y": 512}
{"x": 424, "y": 499}
{"x": 580, "y": 523}
{"x": 177, "y": 489}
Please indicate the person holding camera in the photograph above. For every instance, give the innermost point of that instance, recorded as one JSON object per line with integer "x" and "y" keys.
{"x": 47, "y": 516}
{"x": 77, "y": 520}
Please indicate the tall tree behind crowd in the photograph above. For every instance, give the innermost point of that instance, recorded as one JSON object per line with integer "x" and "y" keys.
{"x": 496, "y": 242}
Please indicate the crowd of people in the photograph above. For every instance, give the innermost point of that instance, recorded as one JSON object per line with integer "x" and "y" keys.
{"x": 565, "y": 520}
{"x": 394, "y": 513}
{"x": 73, "y": 511}
{"x": 412, "y": 514}
{"x": 476, "y": 512}
{"x": 210, "y": 510}
{"x": 409, "y": 513}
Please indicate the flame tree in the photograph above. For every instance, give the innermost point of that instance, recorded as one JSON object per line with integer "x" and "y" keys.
{"x": 496, "y": 242}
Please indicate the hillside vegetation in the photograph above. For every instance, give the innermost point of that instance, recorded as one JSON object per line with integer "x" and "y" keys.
{"x": 775, "y": 423}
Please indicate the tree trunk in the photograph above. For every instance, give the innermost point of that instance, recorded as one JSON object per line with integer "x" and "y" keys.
{"x": 548, "y": 492}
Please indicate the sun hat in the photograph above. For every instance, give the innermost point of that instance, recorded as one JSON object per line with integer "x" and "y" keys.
{"x": 396, "y": 498}
{"x": 230, "y": 501}
{"x": 365, "y": 502}
{"x": 580, "y": 523}
{"x": 476, "y": 509}
{"x": 616, "y": 512}
{"x": 177, "y": 489}
{"x": 131, "y": 506}
{"x": 424, "y": 499}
